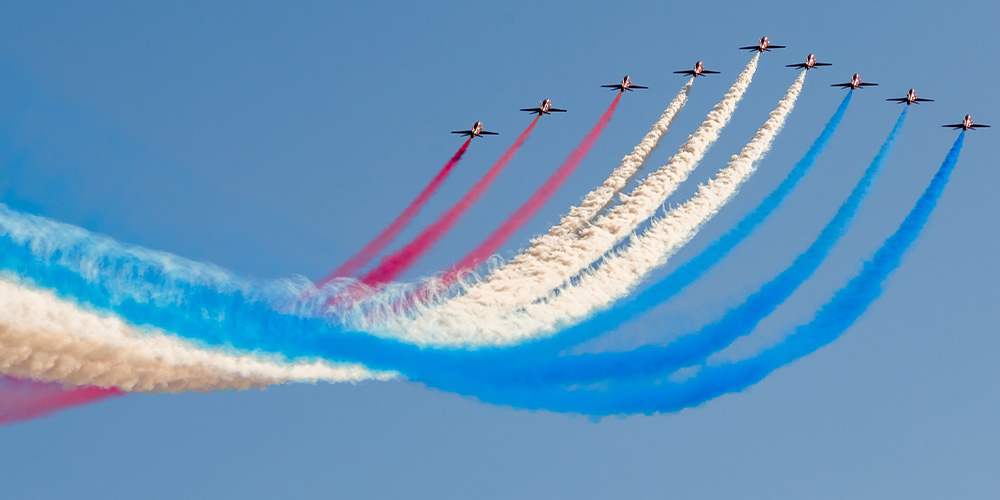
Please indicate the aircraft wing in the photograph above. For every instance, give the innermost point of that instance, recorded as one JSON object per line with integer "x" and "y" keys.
{"x": 921, "y": 99}
{"x": 750, "y": 47}
{"x": 462, "y": 132}
{"x": 842, "y": 85}
{"x": 554, "y": 110}
{"x": 955, "y": 126}
{"x": 707, "y": 72}
{"x": 978, "y": 126}
{"x": 902, "y": 99}
{"x": 489, "y": 133}
{"x": 637, "y": 87}
{"x": 686, "y": 72}
{"x": 822, "y": 64}
{"x": 776, "y": 47}
{"x": 863, "y": 84}
{"x": 533, "y": 110}
{"x": 799, "y": 65}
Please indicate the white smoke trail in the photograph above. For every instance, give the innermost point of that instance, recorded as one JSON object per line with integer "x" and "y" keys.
{"x": 547, "y": 263}
{"x": 572, "y": 245}
{"x": 45, "y": 338}
{"x": 620, "y": 271}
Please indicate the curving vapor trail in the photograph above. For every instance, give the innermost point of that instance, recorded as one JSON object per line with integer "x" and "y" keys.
{"x": 616, "y": 274}
{"x": 388, "y": 234}
{"x": 738, "y": 321}
{"x": 689, "y": 272}
{"x": 550, "y": 261}
{"x": 392, "y": 265}
{"x": 829, "y": 322}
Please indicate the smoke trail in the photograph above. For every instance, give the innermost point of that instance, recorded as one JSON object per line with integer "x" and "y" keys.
{"x": 737, "y": 322}
{"x": 551, "y": 261}
{"x": 694, "y": 269}
{"x": 388, "y": 234}
{"x": 830, "y": 321}
{"x": 25, "y": 399}
{"x": 48, "y": 339}
{"x": 615, "y": 276}
{"x": 392, "y": 265}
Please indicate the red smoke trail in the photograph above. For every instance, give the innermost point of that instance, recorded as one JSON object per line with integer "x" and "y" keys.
{"x": 25, "y": 399}
{"x": 388, "y": 234}
{"x": 528, "y": 210}
{"x": 392, "y": 265}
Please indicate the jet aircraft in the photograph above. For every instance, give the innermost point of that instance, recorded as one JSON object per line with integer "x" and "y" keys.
{"x": 544, "y": 109}
{"x": 911, "y": 98}
{"x": 476, "y": 131}
{"x": 764, "y": 44}
{"x": 966, "y": 124}
{"x": 855, "y": 83}
{"x": 699, "y": 70}
{"x": 809, "y": 64}
{"x": 626, "y": 84}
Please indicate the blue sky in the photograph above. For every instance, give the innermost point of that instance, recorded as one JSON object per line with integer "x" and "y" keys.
{"x": 277, "y": 140}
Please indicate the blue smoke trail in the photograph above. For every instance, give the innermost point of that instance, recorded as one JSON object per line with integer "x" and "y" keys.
{"x": 688, "y": 273}
{"x": 830, "y": 322}
{"x": 737, "y": 322}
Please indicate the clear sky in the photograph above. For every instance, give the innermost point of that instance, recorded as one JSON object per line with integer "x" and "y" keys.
{"x": 277, "y": 140}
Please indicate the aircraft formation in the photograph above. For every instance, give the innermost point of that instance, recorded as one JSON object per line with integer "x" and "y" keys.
{"x": 551, "y": 287}
{"x": 764, "y": 45}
